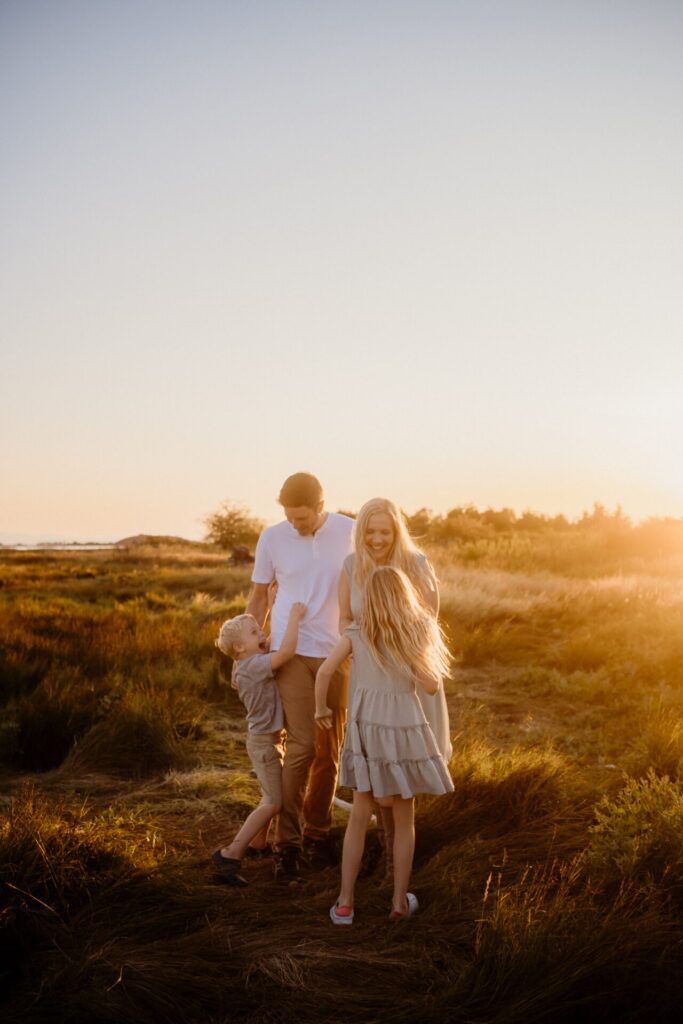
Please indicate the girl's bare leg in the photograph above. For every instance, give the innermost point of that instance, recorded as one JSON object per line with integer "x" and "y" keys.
{"x": 354, "y": 844}
{"x": 387, "y": 818}
{"x": 404, "y": 848}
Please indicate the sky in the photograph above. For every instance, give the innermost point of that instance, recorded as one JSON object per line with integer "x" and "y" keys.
{"x": 425, "y": 250}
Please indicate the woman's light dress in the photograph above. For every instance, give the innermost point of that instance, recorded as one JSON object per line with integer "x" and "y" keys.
{"x": 389, "y": 746}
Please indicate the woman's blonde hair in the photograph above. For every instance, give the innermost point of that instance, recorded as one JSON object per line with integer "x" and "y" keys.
{"x": 398, "y": 628}
{"x": 404, "y": 552}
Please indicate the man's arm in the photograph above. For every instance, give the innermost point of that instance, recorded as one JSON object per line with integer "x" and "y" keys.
{"x": 257, "y": 605}
{"x": 264, "y": 572}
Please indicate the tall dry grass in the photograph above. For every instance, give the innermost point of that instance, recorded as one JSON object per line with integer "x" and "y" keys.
{"x": 549, "y": 880}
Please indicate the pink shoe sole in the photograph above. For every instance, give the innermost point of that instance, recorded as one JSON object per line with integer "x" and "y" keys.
{"x": 401, "y": 915}
{"x": 337, "y": 917}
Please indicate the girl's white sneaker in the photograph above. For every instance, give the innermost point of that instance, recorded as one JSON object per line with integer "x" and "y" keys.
{"x": 413, "y": 907}
{"x": 341, "y": 915}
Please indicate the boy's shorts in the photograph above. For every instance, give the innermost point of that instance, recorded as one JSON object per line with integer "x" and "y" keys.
{"x": 266, "y": 754}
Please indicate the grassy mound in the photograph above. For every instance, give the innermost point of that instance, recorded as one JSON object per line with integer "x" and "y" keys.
{"x": 146, "y": 731}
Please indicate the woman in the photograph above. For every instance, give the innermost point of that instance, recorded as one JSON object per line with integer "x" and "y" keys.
{"x": 381, "y": 538}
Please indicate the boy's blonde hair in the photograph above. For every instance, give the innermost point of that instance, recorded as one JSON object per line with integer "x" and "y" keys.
{"x": 398, "y": 628}
{"x": 404, "y": 551}
{"x": 230, "y": 634}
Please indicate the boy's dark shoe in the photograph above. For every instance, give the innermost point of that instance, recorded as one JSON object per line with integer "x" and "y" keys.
{"x": 230, "y": 868}
{"x": 287, "y": 867}
{"x": 320, "y": 853}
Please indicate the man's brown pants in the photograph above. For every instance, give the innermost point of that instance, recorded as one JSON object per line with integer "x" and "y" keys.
{"x": 309, "y": 772}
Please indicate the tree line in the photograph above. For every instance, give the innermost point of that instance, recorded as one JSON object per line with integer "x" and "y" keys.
{"x": 233, "y": 524}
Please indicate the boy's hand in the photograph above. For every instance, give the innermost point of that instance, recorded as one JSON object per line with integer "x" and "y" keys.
{"x": 297, "y": 611}
{"x": 323, "y": 718}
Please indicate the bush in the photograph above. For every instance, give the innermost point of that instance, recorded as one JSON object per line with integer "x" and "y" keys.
{"x": 638, "y": 835}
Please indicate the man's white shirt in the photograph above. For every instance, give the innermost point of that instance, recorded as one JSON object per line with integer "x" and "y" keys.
{"x": 306, "y": 569}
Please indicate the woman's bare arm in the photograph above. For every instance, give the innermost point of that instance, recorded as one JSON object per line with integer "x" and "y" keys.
{"x": 345, "y": 616}
{"x": 429, "y": 588}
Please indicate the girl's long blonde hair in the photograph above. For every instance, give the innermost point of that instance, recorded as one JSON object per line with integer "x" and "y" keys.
{"x": 398, "y": 628}
{"x": 404, "y": 551}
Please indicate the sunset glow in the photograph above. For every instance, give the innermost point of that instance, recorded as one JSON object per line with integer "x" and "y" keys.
{"x": 428, "y": 251}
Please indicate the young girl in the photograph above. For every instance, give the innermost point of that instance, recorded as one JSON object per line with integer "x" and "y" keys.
{"x": 390, "y": 752}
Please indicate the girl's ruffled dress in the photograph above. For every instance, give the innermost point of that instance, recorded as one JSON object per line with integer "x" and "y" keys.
{"x": 389, "y": 747}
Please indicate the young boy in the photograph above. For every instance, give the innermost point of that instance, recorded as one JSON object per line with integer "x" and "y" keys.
{"x": 241, "y": 638}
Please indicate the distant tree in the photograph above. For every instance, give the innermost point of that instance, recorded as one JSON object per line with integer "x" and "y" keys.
{"x": 501, "y": 520}
{"x": 345, "y": 512}
{"x": 458, "y": 524}
{"x": 531, "y": 521}
{"x": 601, "y": 517}
{"x": 231, "y": 525}
{"x": 559, "y": 522}
{"x": 418, "y": 524}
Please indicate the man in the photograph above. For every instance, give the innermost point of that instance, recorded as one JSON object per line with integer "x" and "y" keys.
{"x": 303, "y": 555}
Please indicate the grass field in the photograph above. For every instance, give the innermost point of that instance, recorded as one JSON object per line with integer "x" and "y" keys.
{"x": 550, "y": 881}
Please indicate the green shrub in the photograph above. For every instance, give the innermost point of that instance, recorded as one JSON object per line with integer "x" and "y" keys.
{"x": 638, "y": 835}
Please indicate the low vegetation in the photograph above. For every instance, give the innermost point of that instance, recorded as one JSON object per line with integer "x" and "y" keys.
{"x": 550, "y": 880}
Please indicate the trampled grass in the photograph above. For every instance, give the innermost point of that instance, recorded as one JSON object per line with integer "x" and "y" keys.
{"x": 549, "y": 881}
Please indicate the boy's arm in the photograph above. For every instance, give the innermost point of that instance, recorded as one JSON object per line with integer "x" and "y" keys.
{"x": 288, "y": 646}
{"x": 323, "y": 715}
{"x": 257, "y": 605}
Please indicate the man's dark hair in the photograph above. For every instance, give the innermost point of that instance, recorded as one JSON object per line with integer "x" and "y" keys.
{"x": 301, "y": 489}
